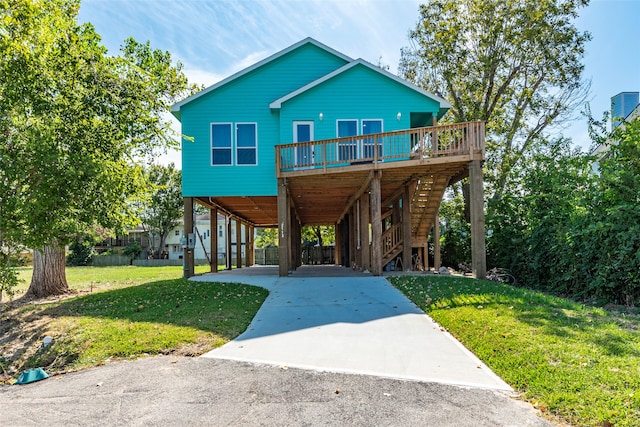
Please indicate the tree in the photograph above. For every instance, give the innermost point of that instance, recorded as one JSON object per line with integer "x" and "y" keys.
{"x": 515, "y": 64}
{"x": 74, "y": 123}
{"x": 321, "y": 233}
{"x": 166, "y": 206}
{"x": 266, "y": 237}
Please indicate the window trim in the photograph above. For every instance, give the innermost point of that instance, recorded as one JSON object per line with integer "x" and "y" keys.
{"x": 255, "y": 124}
{"x": 211, "y": 147}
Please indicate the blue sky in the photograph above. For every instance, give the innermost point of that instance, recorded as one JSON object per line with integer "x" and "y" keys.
{"x": 216, "y": 38}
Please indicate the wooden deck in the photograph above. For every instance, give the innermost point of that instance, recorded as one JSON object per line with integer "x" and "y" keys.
{"x": 323, "y": 187}
{"x": 386, "y": 185}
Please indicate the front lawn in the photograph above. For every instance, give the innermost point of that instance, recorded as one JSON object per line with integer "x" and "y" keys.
{"x": 577, "y": 364}
{"x": 129, "y": 316}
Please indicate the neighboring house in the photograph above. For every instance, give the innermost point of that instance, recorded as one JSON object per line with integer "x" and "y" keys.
{"x": 309, "y": 136}
{"x": 137, "y": 235}
{"x": 622, "y": 105}
{"x": 203, "y": 238}
{"x": 625, "y": 107}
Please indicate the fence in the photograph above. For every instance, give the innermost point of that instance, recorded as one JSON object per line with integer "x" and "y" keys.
{"x": 266, "y": 256}
{"x": 117, "y": 260}
{"x": 310, "y": 255}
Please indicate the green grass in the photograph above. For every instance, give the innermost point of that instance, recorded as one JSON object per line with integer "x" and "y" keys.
{"x": 133, "y": 315}
{"x": 576, "y": 363}
{"x": 92, "y": 278}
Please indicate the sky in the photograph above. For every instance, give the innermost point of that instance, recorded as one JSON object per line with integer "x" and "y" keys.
{"x": 216, "y": 38}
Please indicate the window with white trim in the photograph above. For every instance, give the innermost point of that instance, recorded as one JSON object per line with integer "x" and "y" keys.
{"x": 246, "y": 143}
{"x": 347, "y": 149}
{"x": 370, "y": 126}
{"x": 221, "y": 144}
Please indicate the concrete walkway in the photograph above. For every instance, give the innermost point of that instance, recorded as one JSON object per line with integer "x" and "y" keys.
{"x": 348, "y": 323}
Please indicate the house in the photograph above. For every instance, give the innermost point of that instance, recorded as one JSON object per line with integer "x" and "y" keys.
{"x": 625, "y": 107}
{"x": 310, "y": 136}
{"x": 203, "y": 238}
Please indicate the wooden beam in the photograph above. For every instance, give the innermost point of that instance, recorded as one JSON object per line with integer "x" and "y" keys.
{"x": 188, "y": 270}
{"x": 436, "y": 242}
{"x": 227, "y": 222}
{"x": 337, "y": 248}
{"x": 478, "y": 249}
{"x": 406, "y": 229}
{"x": 238, "y": 244}
{"x": 246, "y": 245}
{"x": 364, "y": 231}
{"x": 284, "y": 228}
{"x": 250, "y": 248}
{"x": 376, "y": 224}
{"x": 364, "y": 187}
{"x": 213, "y": 238}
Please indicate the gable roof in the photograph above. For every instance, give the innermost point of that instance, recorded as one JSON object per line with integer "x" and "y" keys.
{"x": 277, "y": 104}
{"x": 175, "y": 108}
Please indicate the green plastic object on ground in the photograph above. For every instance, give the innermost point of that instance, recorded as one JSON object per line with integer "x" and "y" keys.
{"x": 32, "y": 375}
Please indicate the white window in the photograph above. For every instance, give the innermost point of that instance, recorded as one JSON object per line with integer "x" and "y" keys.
{"x": 221, "y": 144}
{"x": 246, "y": 143}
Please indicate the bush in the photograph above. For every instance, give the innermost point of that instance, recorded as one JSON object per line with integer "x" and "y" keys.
{"x": 133, "y": 250}
{"x": 81, "y": 252}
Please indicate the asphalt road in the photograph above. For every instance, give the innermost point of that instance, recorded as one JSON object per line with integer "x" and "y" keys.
{"x": 179, "y": 391}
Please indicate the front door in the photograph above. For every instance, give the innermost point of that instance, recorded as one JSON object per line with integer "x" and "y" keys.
{"x": 303, "y": 132}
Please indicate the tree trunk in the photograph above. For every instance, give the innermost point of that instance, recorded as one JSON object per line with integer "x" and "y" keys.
{"x": 160, "y": 248}
{"x": 49, "y": 276}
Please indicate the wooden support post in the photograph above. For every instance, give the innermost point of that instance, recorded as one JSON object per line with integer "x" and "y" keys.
{"x": 250, "y": 248}
{"x": 376, "y": 224}
{"x": 436, "y": 242}
{"x": 478, "y": 249}
{"x": 337, "y": 249}
{"x": 229, "y": 260}
{"x": 435, "y": 136}
{"x": 406, "y": 230}
{"x": 213, "y": 239}
{"x": 365, "y": 248}
{"x": 238, "y": 244}
{"x": 246, "y": 245}
{"x": 283, "y": 228}
{"x": 293, "y": 238}
{"x": 395, "y": 212}
{"x": 425, "y": 257}
{"x": 188, "y": 261}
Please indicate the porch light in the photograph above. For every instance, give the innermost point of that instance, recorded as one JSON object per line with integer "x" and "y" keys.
{"x": 399, "y": 115}
{"x": 321, "y": 116}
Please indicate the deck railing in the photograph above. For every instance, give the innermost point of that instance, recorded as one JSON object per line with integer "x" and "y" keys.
{"x": 411, "y": 144}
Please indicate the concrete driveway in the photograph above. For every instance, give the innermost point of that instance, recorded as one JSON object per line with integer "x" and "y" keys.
{"x": 328, "y": 319}
{"x": 329, "y": 326}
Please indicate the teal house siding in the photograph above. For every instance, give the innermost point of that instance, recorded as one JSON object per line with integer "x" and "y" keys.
{"x": 357, "y": 93}
{"x": 246, "y": 99}
{"x": 305, "y": 82}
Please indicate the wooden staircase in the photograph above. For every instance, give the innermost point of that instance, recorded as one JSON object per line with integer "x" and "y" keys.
{"x": 391, "y": 243}
{"x": 425, "y": 204}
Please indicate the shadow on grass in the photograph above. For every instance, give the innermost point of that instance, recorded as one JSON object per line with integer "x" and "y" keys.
{"x": 222, "y": 308}
{"x": 550, "y": 315}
